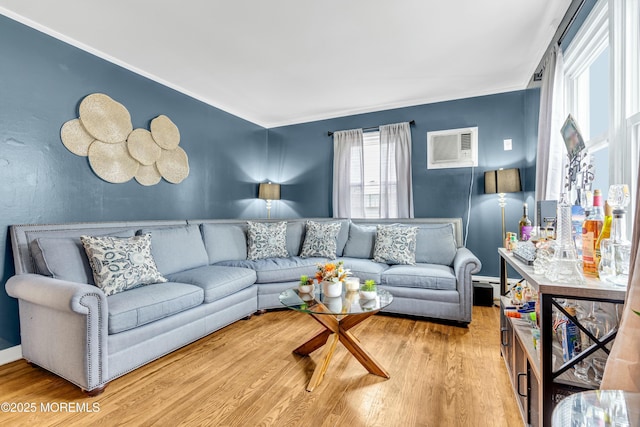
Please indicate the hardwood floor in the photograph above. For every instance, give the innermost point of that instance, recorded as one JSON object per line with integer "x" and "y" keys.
{"x": 247, "y": 375}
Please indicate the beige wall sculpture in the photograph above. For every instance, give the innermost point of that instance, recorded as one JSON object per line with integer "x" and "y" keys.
{"x": 117, "y": 152}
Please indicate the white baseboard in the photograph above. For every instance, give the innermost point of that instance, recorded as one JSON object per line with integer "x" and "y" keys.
{"x": 10, "y": 354}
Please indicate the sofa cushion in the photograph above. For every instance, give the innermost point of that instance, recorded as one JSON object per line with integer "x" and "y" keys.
{"x": 224, "y": 242}
{"x": 119, "y": 264}
{"x": 136, "y": 307}
{"x": 266, "y": 240}
{"x": 216, "y": 281}
{"x": 365, "y": 269}
{"x": 320, "y": 239}
{"x": 64, "y": 258}
{"x": 343, "y": 235}
{"x": 177, "y": 248}
{"x": 295, "y": 236}
{"x": 274, "y": 270}
{"x": 361, "y": 241}
{"x": 395, "y": 244}
{"x": 436, "y": 244}
{"x": 425, "y": 276}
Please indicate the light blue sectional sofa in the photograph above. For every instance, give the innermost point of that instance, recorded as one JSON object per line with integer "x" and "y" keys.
{"x": 71, "y": 328}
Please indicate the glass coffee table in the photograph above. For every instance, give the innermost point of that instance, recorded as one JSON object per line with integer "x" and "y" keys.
{"x": 337, "y": 316}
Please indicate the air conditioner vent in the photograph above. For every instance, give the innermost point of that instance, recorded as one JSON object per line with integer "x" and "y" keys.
{"x": 453, "y": 148}
{"x": 465, "y": 141}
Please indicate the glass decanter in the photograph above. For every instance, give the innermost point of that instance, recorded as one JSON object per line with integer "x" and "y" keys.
{"x": 564, "y": 266}
{"x": 616, "y": 250}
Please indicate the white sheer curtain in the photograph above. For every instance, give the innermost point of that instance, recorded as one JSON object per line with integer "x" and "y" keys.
{"x": 622, "y": 371}
{"x": 348, "y": 174}
{"x": 396, "y": 194}
{"x": 551, "y": 150}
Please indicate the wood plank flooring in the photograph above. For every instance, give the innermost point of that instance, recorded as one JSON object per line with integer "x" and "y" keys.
{"x": 247, "y": 375}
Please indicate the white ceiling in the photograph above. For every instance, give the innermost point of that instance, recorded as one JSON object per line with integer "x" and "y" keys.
{"x": 282, "y": 62}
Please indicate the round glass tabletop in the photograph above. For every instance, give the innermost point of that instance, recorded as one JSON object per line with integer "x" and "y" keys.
{"x": 598, "y": 408}
{"x": 349, "y": 303}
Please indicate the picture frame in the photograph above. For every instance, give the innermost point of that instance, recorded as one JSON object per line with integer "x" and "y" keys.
{"x": 572, "y": 137}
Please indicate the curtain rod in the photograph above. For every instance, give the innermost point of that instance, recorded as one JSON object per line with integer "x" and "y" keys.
{"x": 558, "y": 37}
{"x": 371, "y": 129}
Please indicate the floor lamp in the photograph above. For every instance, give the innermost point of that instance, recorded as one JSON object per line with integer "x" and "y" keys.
{"x": 502, "y": 181}
{"x": 269, "y": 192}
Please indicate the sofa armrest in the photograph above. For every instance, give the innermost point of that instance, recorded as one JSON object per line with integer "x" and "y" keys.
{"x": 465, "y": 264}
{"x": 64, "y": 327}
{"x": 54, "y": 293}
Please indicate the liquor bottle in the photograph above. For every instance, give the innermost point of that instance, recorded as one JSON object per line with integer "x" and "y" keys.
{"x": 605, "y": 233}
{"x": 524, "y": 226}
{"x": 590, "y": 232}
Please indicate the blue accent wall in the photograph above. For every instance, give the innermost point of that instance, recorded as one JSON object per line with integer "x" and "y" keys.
{"x": 300, "y": 158}
{"x": 42, "y": 81}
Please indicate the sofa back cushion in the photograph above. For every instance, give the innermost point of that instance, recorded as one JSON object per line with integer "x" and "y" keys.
{"x": 177, "y": 248}
{"x": 64, "y": 258}
{"x": 361, "y": 241}
{"x": 343, "y": 236}
{"x": 225, "y": 242}
{"x": 436, "y": 244}
{"x": 295, "y": 237}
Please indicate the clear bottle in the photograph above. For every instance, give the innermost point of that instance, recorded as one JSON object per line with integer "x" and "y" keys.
{"x": 616, "y": 250}
{"x": 524, "y": 226}
{"x": 591, "y": 228}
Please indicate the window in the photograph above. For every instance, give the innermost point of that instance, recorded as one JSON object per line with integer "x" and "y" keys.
{"x": 602, "y": 81}
{"x": 587, "y": 65}
{"x": 372, "y": 177}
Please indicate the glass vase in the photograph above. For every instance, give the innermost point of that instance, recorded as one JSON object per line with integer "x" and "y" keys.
{"x": 564, "y": 266}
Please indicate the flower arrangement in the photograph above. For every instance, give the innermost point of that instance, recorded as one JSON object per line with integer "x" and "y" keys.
{"x": 332, "y": 272}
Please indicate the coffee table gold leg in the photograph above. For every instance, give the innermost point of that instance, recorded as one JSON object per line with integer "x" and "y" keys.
{"x": 321, "y": 368}
{"x": 353, "y": 345}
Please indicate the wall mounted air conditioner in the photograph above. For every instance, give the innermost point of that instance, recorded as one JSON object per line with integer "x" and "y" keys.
{"x": 452, "y": 148}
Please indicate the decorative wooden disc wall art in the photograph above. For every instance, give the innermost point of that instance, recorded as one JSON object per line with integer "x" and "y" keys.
{"x": 117, "y": 152}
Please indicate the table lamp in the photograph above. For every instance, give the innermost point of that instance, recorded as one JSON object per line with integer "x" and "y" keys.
{"x": 502, "y": 181}
{"x": 269, "y": 192}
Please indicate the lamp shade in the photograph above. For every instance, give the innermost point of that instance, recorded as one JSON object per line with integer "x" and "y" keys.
{"x": 269, "y": 191}
{"x": 502, "y": 181}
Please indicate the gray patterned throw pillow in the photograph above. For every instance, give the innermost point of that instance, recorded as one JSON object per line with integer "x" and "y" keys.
{"x": 321, "y": 239}
{"x": 395, "y": 244}
{"x": 266, "y": 240}
{"x": 119, "y": 264}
